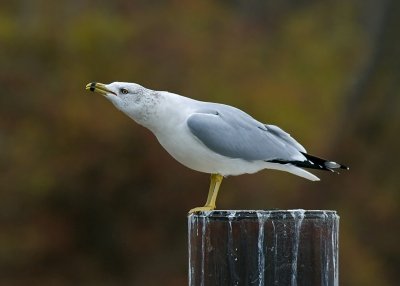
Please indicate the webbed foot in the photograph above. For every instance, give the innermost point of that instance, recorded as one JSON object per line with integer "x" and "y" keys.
{"x": 202, "y": 209}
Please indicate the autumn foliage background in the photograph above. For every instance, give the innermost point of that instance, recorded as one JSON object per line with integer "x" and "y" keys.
{"x": 88, "y": 197}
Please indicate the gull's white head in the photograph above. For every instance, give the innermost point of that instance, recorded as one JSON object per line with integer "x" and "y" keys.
{"x": 134, "y": 100}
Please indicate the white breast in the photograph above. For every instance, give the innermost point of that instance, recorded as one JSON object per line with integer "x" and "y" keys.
{"x": 189, "y": 151}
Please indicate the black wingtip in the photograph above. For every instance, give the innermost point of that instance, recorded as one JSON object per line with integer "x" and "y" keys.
{"x": 314, "y": 162}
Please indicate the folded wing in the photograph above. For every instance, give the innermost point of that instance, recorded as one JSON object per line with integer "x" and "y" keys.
{"x": 232, "y": 133}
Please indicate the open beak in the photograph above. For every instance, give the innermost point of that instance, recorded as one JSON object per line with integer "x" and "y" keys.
{"x": 99, "y": 88}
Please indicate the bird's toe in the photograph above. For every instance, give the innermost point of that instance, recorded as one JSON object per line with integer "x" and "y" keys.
{"x": 202, "y": 209}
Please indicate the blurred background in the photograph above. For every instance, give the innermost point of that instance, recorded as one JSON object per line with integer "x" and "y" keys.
{"x": 88, "y": 197}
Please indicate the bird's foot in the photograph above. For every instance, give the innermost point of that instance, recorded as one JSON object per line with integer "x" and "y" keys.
{"x": 202, "y": 209}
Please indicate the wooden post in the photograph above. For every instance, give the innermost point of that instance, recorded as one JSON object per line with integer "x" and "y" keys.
{"x": 278, "y": 247}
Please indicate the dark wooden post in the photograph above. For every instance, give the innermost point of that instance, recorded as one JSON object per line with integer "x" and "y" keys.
{"x": 290, "y": 247}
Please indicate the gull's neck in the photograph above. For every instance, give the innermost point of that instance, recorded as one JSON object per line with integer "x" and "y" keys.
{"x": 169, "y": 108}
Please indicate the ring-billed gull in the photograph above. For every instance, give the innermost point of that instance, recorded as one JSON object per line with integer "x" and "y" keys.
{"x": 210, "y": 137}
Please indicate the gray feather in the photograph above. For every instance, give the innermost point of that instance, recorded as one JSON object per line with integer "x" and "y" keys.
{"x": 233, "y": 133}
{"x": 285, "y": 136}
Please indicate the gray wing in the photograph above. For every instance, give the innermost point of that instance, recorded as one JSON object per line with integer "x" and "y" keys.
{"x": 285, "y": 137}
{"x": 233, "y": 133}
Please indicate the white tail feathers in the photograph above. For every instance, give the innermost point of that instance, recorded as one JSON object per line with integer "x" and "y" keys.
{"x": 293, "y": 170}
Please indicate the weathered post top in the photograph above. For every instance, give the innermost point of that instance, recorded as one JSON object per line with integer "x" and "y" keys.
{"x": 261, "y": 247}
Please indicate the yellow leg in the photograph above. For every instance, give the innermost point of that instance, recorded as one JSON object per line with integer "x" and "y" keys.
{"x": 216, "y": 180}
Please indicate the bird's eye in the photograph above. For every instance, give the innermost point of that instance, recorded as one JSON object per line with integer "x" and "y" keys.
{"x": 124, "y": 91}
